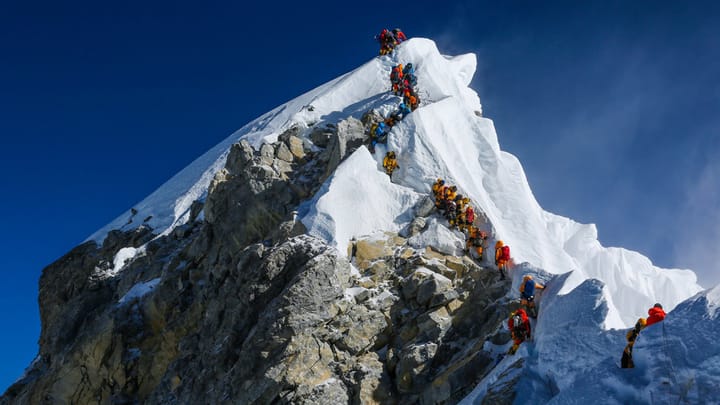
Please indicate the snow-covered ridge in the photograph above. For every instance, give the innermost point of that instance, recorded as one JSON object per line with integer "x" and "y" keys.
{"x": 446, "y": 137}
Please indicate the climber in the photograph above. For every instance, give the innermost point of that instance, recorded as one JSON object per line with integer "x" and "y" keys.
{"x": 469, "y": 216}
{"x": 386, "y": 40}
{"x": 437, "y": 186}
{"x": 449, "y": 197}
{"x": 438, "y": 189}
{"x": 519, "y": 326}
{"x": 527, "y": 294}
{"x": 390, "y": 163}
{"x": 656, "y": 313}
{"x": 399, "y": 35}
{"x": 476, "y": 242}
{"x": 409, "y": 69}
{"x": 411, "y": 99}
{"x": 626, "y": 361}
{"x": 451, "y": 212}
{"x": 396, "y": 77}
{"x": 402, "y": 111}
{"x": 502, "y": 257}
{"x": 378, "y": 134}
{"x": 460, "y": 200}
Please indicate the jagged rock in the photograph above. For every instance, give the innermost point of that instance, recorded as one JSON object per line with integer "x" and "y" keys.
{"x": 282, "y": 167}
{"x": 413, "y": 361}
{"x": 431, "y": 286}
{"x": 267, "y": 154}
{"x": 349, "y": 136}
{"x": 414, "y": 227}
{"x": 241, "y": 154}
{"x": 456, "y": 264}
{"x": 247, "y": 309}
{"x": 435, "y": 323}
{"x": 374, "y": 384}
{"x": 367, "y": 251}
{"x": 361, "y": 330}
{"x": 424, "y": 207}
{"x": 362, "y": 295}
{"x": 283, "y": 152}
{"x": 411, "y": 283}
{"x": 443, "y": 298}
{"x": 453, "y": 306}
{"x": 437, "y": 266}
{"x": 379, "y": 271}
{"x": 329, "y": 392}
{"x": 195, "y": 210}
{"x": 320, "y": 136}
{"x": 429, "y": 254}
{"x": 297, "y": 147}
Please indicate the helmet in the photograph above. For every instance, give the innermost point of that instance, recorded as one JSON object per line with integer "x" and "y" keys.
{"x": 657, "y": 306}
{"x": 499, "y": 244}
{"x": 466, "y": 200}
{"x": 409, "y": 66}
{"x": 642, "y": 321}
{"x": 527, "y": 277}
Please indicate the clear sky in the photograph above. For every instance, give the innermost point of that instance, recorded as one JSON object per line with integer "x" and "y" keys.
{"x": 613, "y": 109}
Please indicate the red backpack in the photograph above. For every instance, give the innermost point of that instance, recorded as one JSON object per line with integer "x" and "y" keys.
{"x": 505, "y": 253}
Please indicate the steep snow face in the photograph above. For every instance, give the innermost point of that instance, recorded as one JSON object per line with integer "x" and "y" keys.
{"x": 446, "y": 137}
{"x": 357, "y": 200}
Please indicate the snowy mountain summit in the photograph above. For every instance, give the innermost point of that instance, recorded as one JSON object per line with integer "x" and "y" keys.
{"x": 289, "y": 235}
{"x": 445, "y": 138}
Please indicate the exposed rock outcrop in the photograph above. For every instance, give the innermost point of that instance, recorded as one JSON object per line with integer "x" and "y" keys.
{"x": 241, "y": 306}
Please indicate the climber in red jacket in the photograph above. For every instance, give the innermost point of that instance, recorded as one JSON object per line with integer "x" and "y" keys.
{"x": 519, "y": 326}
{"x": 656, "y": 314}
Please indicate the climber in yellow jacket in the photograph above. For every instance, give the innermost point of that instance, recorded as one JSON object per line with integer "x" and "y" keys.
{"x": 390, "y": 163}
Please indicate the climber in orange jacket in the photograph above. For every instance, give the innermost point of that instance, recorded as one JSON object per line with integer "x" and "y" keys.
{"x": 656, "y": 313}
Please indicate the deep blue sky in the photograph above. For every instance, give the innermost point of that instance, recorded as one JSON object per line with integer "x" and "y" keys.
{"x": 612, "y": 108}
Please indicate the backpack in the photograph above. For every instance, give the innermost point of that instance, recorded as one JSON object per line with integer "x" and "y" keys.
{"x": 529, "y": 288}
{"x": 505, "y": 253}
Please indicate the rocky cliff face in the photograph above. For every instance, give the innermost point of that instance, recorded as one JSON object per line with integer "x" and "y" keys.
{"x": 239, "y": 306}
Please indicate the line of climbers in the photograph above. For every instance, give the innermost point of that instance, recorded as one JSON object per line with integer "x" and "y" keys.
{"x": 656, "y": 314}
{"x": 402, "y": 83}
{"x": 461, "y": 215}
{"x": 519, "y": 322}
{"x": 455, "y": 207}
{"x": 457, "y": 210}
{"x": 389, "y": 40}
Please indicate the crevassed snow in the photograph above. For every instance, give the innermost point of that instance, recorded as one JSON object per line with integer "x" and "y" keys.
{"x": 138, "y": 290}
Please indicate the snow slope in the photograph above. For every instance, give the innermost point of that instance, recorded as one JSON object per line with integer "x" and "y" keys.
{"x": 445, "y": 138}
{"x": 593, "y": 290}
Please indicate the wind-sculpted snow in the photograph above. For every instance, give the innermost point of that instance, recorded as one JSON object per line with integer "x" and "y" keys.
{"x": 446, "y": 137}
{"x": 357, "y": 200}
